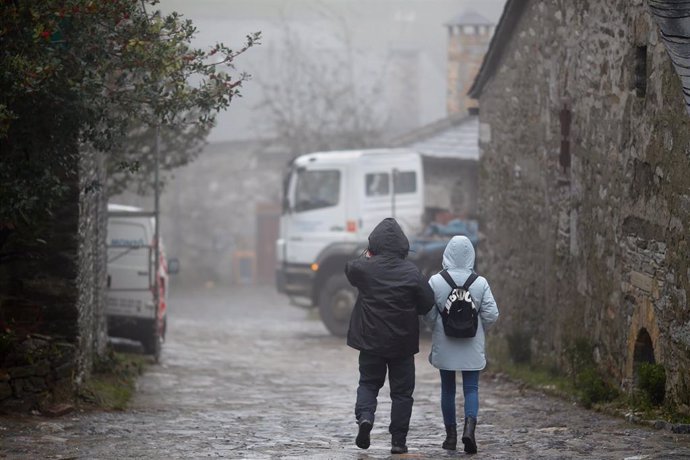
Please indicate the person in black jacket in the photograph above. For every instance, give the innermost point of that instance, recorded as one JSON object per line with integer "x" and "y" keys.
{"x": 384, "y": 327}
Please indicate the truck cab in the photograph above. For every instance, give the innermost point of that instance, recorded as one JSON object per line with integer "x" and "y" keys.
{"x": 331, "y": 202}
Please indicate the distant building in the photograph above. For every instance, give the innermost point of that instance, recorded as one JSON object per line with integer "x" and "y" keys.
{"x": 450, "y": 154}
{"x": 219, "y": 214}
{"x": 469, "y": 35}
{"x": 585, "y": 182}
{"x": 449, "y": 146}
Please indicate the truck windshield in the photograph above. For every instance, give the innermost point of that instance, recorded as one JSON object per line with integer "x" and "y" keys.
{"x": 316, "y": 188}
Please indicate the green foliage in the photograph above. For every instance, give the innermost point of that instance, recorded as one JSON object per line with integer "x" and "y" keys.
{"x": 591, "y": 386}
{"x": 579, "y": 355}
{"x": 76, "y": 72}
{"x": 519, "y": 347}
{"x": 113, "y": 381}
{"x": 652, "y": 381}
{"x": 8, "y": 341}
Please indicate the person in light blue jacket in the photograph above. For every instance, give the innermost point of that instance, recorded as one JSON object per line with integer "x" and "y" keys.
{"x": 450, "y": 354}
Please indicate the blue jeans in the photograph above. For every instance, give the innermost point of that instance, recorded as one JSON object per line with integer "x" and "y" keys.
{"x": 470, "y": 389}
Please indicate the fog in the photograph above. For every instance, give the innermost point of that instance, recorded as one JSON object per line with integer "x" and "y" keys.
{"x": 364, "y": 34}
{"x": 327, "y": 75}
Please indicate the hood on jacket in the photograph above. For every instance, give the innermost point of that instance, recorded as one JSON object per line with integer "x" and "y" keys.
{"x": 459, "y": 253}
{"x": 389, "y": 238}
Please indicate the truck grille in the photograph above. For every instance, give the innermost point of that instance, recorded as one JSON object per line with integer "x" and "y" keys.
{"x": 123, "y": 303}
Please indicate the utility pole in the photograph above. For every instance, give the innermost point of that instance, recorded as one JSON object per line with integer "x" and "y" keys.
{"x": 156, "y": 231}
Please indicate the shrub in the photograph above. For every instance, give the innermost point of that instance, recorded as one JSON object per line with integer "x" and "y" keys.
{"x": 519, "y": 347}
{"x": 652, "y": 381}
{"x": 588, "y": 381}
{"x": 579, "y": 355}
{"x": 593, "y": 388}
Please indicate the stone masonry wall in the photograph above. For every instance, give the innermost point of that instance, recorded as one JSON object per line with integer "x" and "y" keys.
{"x": 465, "y": 53}
{"x": 92, "y": 262}
{"x": 598, "y": 249}
{"x": 51, "y": 299}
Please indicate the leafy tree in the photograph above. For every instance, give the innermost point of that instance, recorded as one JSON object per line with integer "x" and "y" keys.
{"x": 80, "y": 74}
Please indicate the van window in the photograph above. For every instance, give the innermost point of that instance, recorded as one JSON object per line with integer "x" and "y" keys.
{"x": 316, "y": 188}
{"x": 376, "y": 184}
{"x": 405, "y": 182}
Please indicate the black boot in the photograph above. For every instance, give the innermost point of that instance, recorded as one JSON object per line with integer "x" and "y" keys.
{"x": 468, "y": 435}
{"x": 399, "y": 448}
{"x": 363, "y": 440}
{"x": 451, "y": 442}
{"x": 399, "y": 445}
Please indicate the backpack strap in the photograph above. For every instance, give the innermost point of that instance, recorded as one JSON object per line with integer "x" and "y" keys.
{"x": 473, "y": 276}
{"x": 470, "y": 279}
{"x": 446, "y": 276}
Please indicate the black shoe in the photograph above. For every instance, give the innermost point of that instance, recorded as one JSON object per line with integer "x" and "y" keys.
{"x": 399, "y": 449}
{"x": 363, "y": 441}
{"x": 468, "y": 435}
{"x": 451, "y": 442}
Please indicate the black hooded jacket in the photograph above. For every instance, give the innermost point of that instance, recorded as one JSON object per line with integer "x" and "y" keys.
{"x": 392, "y": 293}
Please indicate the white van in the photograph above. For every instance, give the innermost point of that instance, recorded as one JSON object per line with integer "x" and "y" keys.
{"x": 131, "y": 308}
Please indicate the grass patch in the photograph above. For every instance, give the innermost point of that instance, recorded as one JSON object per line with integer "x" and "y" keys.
{"x": 113, "y": 380}
{"x": 581, "y": 382}
{"x": 543, "y": 378}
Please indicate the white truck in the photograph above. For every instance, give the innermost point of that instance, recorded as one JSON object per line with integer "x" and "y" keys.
{"x": 331, "y": 202}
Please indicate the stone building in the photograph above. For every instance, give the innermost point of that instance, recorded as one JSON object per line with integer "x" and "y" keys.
{"x": 52, "y": 296}
{"x": 450, "y": 155}
{"x": 220, "y": 214}
{"x": 585, "y": 181}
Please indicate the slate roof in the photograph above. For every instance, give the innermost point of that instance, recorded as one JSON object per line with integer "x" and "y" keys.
{"x": 455, "y": 137}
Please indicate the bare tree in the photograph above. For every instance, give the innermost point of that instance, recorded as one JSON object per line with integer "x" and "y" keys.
{"x": 316, "y": 100}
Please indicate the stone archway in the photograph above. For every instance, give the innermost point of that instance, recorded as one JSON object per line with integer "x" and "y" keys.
{"x": 643, "y": 340}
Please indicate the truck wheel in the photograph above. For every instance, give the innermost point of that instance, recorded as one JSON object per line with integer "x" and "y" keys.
{"x": 336, "y": 301}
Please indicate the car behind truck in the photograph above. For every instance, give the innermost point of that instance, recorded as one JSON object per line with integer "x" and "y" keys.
{"x": 331, "y": 202}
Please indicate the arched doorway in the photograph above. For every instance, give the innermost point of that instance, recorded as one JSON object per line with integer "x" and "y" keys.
{"x": 644, "y": 351}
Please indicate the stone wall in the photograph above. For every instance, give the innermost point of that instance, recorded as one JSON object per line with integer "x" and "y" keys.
{"x": 51, "y": 298}
{"x": 587, "y": 238}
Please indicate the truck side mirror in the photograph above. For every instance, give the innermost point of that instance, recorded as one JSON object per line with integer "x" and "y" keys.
{"x": 173, "y": 266}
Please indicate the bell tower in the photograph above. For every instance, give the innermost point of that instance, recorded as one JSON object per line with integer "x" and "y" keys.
{"x": 469, "y": 35}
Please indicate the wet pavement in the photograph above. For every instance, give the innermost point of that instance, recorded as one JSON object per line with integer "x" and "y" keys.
{"x": 245, "y": 375}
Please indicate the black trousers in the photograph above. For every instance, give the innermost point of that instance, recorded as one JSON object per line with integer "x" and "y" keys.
{"x": 372, "y": 376}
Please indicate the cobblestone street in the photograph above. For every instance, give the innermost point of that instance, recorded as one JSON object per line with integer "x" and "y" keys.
{"x": 245, "y": 375}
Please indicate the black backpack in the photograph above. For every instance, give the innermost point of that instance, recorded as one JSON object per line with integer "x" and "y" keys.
{"x": 459, "y": 315}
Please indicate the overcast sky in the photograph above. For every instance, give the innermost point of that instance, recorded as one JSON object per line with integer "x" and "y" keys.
{"x": 375, "y": 26}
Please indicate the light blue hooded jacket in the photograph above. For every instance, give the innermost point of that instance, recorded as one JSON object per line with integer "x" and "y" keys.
{"x": 452, "y": 353}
